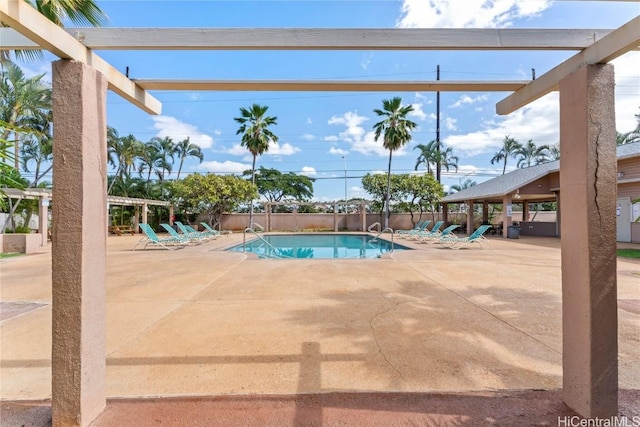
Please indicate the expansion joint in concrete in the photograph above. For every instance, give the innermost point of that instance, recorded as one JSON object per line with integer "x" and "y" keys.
{"x": 375, "y": 337}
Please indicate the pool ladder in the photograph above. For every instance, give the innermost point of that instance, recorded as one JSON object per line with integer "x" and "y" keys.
{"x": 276, "y": 251}
{"x": 386, "y": 230}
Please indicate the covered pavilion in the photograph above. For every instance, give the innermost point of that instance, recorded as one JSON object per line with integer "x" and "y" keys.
{"x": 587, "y": 174}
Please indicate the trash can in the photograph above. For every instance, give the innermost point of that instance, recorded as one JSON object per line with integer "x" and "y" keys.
{"x": 513, "y": 232}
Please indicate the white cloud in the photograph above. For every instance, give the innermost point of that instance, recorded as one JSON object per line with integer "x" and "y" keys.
{"x": 450, "y": 123}
{"x": 236, "y": 150}
{"x": 308, "y": 171}
{"x": 277, "y": 149}
{"x": 366, "y": 60}
{"x": 308, "y": 137}
{"x": 224, "y": 167}
{"x": 465, "y": 13}
{"x": 358, "y": 138}
{"x": 418, "y": 112}
{"x": 338, "y": 151}
{"x": 467, "y": 100}
{"x": 178, "y": 131}
{"x": 627, "y": 91}
{"x": 538, "y": 121}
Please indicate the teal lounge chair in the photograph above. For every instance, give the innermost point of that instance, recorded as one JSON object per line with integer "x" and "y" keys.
{"x": 183, "y": 238}
{"x": 193, "y": 233}
{"x": 214, "y": 231}
{"x": 460, "y": 242}
{"x": 151, "y": 238}
{"x": 417, "y": 229}
{"x": 426, "y": 232}
{"x": 433, "y": 237}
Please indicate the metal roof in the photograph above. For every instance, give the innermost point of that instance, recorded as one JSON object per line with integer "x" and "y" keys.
{"x": 510, "y": 182}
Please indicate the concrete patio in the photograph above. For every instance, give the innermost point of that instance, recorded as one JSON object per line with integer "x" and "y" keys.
{"x": 426, "y": 336}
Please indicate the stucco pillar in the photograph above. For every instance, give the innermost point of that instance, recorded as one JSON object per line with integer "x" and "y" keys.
{"x": 145, "y": 213}
{"x": 79, "y": 243}
{"x": 171, "y": 215}
{"x": 558, "y": 215}
{"x": 485, "y": 212}
{"x": 588, "y": 185}
{"x": 136, "y": 218}
{"x": 507, "y": 211}
{"x": 469, "y": 216}
{"x": 363, "y": 217}
{"x": 525, "y": 211}
{"x": 43, "y": 219}
{"x": 335, "y": 217}
{"x": 445, "y": 214}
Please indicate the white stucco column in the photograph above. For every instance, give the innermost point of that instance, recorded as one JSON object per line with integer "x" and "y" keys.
{"x": 79, "y": 243}
{"x": 43, "y": 219}
{"x": 507, "y": 212}
{"x": 469, "y": 216}
{"x": 145, "y": 213}
{"x": 588, "y": 185}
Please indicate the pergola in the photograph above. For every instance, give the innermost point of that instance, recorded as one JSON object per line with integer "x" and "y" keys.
{"x": 80, "y": 82}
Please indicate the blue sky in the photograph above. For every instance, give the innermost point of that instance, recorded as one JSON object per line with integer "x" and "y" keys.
{"x": 321, "y": 134}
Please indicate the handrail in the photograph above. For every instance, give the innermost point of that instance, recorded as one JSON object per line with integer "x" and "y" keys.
{"x": 256, "y": 225}
{"x": 374, "y": 225}
{"x": 251, "y": 230}
{"x": 384, "y": 231}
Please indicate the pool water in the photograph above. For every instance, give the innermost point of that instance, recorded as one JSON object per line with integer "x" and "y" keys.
{"x": 317, "y": 246}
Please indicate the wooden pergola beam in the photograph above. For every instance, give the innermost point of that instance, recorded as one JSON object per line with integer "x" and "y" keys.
{"x": 614, "y": 44}
{"x": 331, "y": 86}
{"x": 323, "y": 38}
{"x": 19, "y": 15}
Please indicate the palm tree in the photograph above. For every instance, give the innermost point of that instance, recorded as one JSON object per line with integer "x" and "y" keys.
{"x": 165, "y": 148}
{"x": 509, "y": 149}
{"x": 185, "y": 149}
{"x": 39, "y": 150}
{"x": 256, "y": 137}
{"x": 554, "y": 152}
{"x": 432, "y": 154}
{"x": 428, "y": 155}
{"x": 396, "y": 129}
{"x": 123, "y": 153}
{"x": 23, "y": 102}
{"x": 530, "y": 154}
{"x": 467, "y": 183}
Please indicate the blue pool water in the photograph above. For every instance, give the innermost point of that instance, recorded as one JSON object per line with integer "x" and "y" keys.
{"x": 317, "y": 246}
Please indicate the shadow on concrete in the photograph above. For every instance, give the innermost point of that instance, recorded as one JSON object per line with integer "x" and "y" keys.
{"x": 504, "y": 408}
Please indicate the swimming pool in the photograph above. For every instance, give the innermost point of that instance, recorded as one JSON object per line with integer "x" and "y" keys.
{"x": 317, "y": 246}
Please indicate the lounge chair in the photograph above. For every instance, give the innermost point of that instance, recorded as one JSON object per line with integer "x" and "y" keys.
{"x": 214, "y": 231}
{"x": 420, "y": 234}
{"x": 417, "y": 229}
{"x": 151, "y": 238}
{"x": 183, "y": 238}
{"x": 460, "y": 242}
{"x": 193, "y": 233}
{"x": 433, "y": 237}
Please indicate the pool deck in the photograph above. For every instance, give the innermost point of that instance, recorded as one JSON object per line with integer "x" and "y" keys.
{"x": 199, "y": 336}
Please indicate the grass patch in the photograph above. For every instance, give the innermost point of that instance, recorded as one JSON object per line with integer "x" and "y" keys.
{"x": 629, "y": 253}
{"x": 10, "y": 255}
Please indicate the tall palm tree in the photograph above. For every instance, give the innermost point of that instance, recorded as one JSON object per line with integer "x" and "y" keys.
{"x": 165, "y": 148}
{"x": 530, "y": 154}
{"x": 432, "y": 154}
{"x": 509, "y": 149}
{"x": 428, "y": 155}
{"x": 123, "y": 153}
{"x": 256, "y": 137}
{"x": 184, "y": 149}
{"x": 23, "y": 102}
{"x": 38, "y": 149}
{"x": 396, "y": 129}
{"x": 554, "y": 152}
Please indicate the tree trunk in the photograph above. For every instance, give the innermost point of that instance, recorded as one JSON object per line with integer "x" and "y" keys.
{"x": 253, "y": 181}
